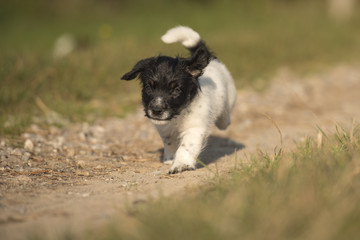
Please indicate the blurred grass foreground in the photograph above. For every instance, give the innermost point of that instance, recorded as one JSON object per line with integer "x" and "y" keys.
{"x": 66, "y": 57}
{"x": 312, "y": 192}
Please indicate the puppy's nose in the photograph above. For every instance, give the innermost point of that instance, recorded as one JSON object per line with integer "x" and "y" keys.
{"x": 157, "y": 112}
{"x": 157, "y": 106}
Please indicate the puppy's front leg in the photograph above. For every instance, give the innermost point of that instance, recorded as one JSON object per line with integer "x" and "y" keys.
{"x": 191, "y": 143}
{"x": 170, "y": 140}
{"x": 170, "y": 147}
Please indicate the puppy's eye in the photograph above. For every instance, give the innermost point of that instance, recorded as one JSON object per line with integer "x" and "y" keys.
{"x": 149, "y": 86}
{"x": 172, "y": 85}
{"x": 152, "y": 83}
{"x": 176, "y": 92}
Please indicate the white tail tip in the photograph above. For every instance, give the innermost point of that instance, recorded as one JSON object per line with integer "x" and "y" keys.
{"x": 185, "y": 35}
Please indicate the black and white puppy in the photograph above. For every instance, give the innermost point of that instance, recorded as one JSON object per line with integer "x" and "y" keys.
{"x": 185, "y": 97}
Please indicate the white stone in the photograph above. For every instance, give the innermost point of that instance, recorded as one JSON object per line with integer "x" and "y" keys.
{"x": 28, "y": 145}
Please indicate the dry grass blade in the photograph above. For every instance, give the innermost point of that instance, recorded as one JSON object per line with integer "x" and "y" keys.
{"x": 352, "y": 133}
{"x": 206, "y": 166}
{"x": 278, "y": 129}
{"x": 319, "y": 140}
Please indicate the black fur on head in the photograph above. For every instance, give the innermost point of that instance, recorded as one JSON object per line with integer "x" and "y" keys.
{"x": 169, "y": 84}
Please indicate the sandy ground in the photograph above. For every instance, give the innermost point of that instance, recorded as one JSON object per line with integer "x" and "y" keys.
{"x": 81, "y": 176}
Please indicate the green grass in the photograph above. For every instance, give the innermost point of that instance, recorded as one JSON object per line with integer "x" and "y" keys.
{"x": 254, "y": 39}
{"x": 312, "y": 192}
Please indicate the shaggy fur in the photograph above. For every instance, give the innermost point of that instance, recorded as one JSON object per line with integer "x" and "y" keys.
{"x": 185, "y": 97}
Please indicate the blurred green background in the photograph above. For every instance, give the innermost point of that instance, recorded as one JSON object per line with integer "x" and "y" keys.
{"x": 254, "y": 38}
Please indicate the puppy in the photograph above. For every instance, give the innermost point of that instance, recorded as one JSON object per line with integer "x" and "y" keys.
{"x": 185, "y": 97}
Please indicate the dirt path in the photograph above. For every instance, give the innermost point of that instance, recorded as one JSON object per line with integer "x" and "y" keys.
{"x": 74, "y": 178}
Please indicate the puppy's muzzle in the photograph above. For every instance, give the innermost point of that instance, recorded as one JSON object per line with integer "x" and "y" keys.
{"x": 158, "y": 110}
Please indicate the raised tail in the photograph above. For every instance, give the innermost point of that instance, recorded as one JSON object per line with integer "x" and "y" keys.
{"x": 186, "y": 36}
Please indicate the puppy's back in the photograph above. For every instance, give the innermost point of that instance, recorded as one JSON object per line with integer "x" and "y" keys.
{"x": 218, "y": 86}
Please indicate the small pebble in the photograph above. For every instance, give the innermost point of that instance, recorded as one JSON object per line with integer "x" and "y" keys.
{"x": 81, "y": 173}
{"x": 85, "y": 195}
{"x": 80, "y": 164}
{"x": 25, "y": 156}
{"x": 29, "y": 146}
{"x": 71, "y": 152}
{"x": 99, "y": 167}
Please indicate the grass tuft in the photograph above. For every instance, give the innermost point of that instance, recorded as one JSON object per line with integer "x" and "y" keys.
{"x": 309, "y": 193}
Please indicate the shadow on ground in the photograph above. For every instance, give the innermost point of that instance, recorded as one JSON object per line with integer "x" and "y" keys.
{"x": 217, "y": 148}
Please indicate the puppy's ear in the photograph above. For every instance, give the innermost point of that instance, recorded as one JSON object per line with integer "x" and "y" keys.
{"x": 137, "y": 69}
{"x": 199, "y": 61}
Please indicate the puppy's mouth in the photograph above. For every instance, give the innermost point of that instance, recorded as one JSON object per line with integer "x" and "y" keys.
{"x": 159, "y": 115}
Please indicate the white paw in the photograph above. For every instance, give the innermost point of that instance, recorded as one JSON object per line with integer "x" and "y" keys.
{"x": 178, "y": 167}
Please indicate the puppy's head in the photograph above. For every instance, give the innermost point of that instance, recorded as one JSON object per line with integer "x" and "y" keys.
{"x": 168, "y": 84}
